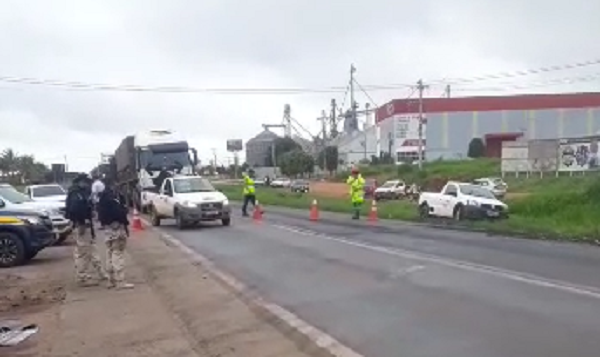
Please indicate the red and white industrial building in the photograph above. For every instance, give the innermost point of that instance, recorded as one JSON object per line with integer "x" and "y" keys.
{"x": 451, "y": 123}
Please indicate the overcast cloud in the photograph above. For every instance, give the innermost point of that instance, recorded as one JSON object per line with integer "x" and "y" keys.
{"x": 258, "y": 44}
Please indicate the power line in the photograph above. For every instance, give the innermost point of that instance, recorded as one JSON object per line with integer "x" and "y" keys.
{"x": 86, "y": 86}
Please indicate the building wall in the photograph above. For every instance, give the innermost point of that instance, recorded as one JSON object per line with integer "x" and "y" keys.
{"x": 351, "y": 149}
{"x": 448, "y": 134}
{"x": 258, "y": 152}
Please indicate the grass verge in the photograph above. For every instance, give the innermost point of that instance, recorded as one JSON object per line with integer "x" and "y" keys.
{"x": 568, "y": 216}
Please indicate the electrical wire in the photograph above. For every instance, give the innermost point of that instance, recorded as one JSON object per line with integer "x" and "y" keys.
{"x": 85, "y": 86}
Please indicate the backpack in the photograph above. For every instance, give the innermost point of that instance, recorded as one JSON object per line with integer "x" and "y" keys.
{"x": 79, "y": 206}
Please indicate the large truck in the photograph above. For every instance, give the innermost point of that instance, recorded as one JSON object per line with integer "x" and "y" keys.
{"x": 144, "y": 160}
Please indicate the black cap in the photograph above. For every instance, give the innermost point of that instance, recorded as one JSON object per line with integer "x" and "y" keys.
{"x": 81, "y": 177}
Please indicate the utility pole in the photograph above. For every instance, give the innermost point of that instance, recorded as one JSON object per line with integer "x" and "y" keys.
{"x": 447, "y": 91}
{"x": 287, "y": 120}
{"x": 352, "y": 103}
{"x": 365, "y": 127}
{"x": 421, "y": 87}
{"x": 214, "y": 151}
{"x": 323, "y": 119}
{"x": 333, "y": 131}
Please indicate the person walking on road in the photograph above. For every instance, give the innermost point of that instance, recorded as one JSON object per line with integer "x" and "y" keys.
{"x": 249, "y": 193}
{"x": 88, "y": 267}
{"x": 357, "y": 191}
{"x": 112, "y": 213}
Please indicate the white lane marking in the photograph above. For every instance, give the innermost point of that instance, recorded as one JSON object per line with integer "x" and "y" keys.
{"x": 321, "y": 339}
{"x": 530, "y": 279}
{"x": 399, "y": 273}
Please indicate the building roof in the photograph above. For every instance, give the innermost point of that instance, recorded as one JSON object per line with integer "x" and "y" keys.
{"x": 265, "y": 135}
{"x": 489, "y": 103}
{"x": 503, "y": 136}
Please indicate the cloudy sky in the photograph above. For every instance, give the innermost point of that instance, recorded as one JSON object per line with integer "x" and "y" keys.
{"x": 261, "y": 44}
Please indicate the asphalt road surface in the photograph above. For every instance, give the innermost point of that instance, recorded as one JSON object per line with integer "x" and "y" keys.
{"x": 407, "y": 290}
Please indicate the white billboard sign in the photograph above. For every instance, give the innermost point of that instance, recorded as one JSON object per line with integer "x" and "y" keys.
{"x": 406, "y": 132}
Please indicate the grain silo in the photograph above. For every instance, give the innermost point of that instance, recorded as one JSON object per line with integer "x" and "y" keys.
{"x": 259, "y": 149}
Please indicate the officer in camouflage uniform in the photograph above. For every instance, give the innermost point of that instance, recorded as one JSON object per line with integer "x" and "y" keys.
{"x": 88, "y": 267}
{"x": 112, "y": 213}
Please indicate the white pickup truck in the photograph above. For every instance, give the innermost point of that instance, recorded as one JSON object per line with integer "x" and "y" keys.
{"x": 189, "y": 200}
{"x": 460, "y": 201}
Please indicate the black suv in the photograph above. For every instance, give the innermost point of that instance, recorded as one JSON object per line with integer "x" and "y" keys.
{"x": 299, "y": 186}
{"x": 23, "y": 234}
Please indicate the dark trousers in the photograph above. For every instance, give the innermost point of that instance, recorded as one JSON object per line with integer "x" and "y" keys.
{"x": 248, "y": 199}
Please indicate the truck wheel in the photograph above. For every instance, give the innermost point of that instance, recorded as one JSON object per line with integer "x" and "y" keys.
{"x": 424, "y": 210}
{"x": 155, "y": 220}
{"x": 179, "y": 221}
{"x": 458, "y": 213}
{"x": 12, "y": 250}
{"x": 226, "y": 221}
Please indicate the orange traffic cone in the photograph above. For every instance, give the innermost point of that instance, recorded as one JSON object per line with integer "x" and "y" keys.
{"x": 136, "y": 222}
{"x": 258, "y": 212}
{"x": 314, "y": 211}
{"x": 373, "y": 217}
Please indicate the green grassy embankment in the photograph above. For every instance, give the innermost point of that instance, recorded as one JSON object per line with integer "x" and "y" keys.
{"x": 574, "y": 215}
{"x": 562, "y": 208}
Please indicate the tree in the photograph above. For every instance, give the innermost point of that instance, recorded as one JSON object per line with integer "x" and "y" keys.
{"x": 476, "y": 148}
{"x": 281, "y": 146}
{"x": 20, "y": 169}
{"x": 329, "y": 157}
{"x": 295, "y": 163}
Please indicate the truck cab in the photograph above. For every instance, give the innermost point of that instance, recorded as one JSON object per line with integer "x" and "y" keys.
{"x": 459, "y": 200}
{"x": 189, "y": 200}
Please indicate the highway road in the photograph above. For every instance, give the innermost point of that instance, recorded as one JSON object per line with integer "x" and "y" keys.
{"x": 407, "y": 290}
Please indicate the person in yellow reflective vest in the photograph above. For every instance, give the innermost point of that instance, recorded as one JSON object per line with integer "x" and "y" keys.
{"x": 357, "y": 191}
{"x": 249, "y": 194}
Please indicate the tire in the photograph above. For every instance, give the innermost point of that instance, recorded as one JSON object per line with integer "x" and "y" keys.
{"x": 180, "y": 222}
{"x": 458, "y": 213}
{"x": 12, "y": 250}
{"x": 226, "y": 221}
{"x": 424, "y": 210}
{"x": 154, "y": 218}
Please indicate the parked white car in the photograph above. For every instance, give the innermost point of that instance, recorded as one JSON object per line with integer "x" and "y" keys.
{"x": 281, "y": 182}
{"x": 460, "y": 200}
{"x": 393, "y": 189}
{"x": 14, "y": 199}
{"x": 495, "y": 184}
{"x": 54, "y": 193}
{"x": 189, "y": 200}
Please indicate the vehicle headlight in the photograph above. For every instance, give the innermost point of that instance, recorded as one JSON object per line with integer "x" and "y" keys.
{"x": 189, "y": 204}
{"x": 225, "y": 202}
{"x": 31, "y": 220}
{"x": 472, "y": 203}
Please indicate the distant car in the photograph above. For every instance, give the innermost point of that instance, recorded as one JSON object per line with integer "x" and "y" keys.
{"x": 47, "y": 193}
{"x": 281, "y": 182}
{"x": 299, "y": 186}
{"x": 393, "y": 189}
{"x": 495, "y": 184}
{"x": 370, "y": 187}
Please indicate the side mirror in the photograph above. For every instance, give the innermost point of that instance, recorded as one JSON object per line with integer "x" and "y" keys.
{"x": 2, "y": 204}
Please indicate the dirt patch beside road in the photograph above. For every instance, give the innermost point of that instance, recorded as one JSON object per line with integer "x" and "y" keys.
{"x": 175, "y": 309}
{"x": 329, "y": 189}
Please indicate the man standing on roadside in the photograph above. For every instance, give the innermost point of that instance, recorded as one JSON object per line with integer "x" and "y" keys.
{"x": 249, "y": 193}
{"x": 79, "y": 211}
{"x": 357, "y": 191}
{"x": 112, "y": 213}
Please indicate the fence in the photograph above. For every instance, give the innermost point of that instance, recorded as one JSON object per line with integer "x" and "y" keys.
{"x": 551, "y": 157}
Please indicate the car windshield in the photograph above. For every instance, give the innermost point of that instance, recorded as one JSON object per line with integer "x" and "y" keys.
{"x": 13, "y": 196}
{"x": 390, "y": 184}
{"x": 170, "y": 160}
{"x": 497, "y": 181}
{"x": 189, "y": 185}
{"x": 45, "y": 191}
{"x": 476, "y": 191}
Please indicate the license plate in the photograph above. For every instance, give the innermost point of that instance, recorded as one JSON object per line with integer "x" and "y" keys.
{"x": 212, "y": 213}
{"x": 493, "y": 214}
